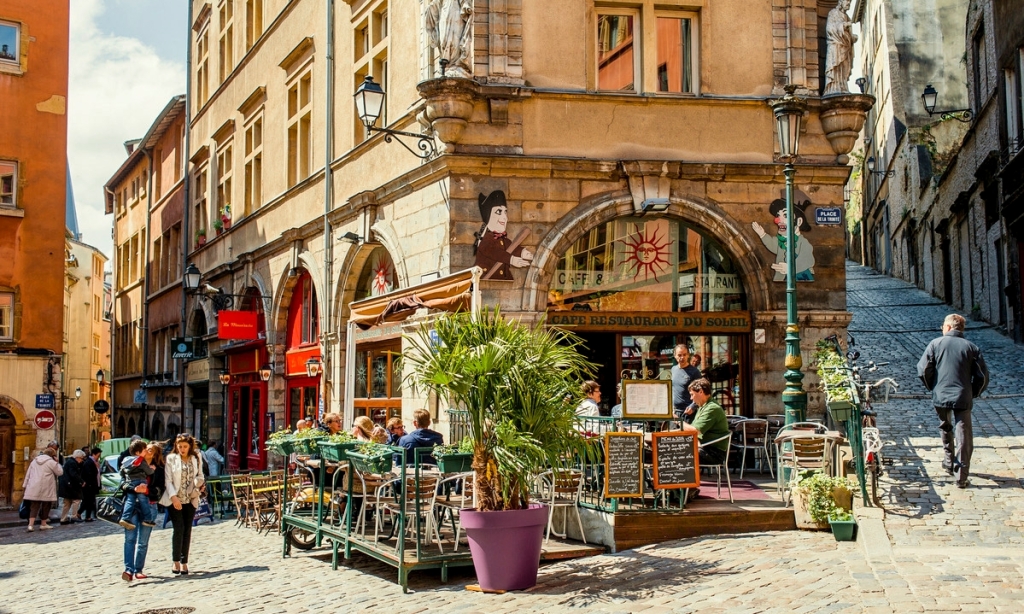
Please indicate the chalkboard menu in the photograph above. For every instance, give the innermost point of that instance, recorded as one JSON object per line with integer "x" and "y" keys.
{"x": 623, "y": 465}
{"x": 675, "y": 459}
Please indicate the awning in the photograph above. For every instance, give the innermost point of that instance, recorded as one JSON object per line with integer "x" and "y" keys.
{"x": 451, "y": 293}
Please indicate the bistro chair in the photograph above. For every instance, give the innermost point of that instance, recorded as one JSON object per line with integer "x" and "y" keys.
{"x": 806, "y": 451}
{"x": 241, "y": 488}
{"x": 413, "y": 500}
{"x": 370, "y": 490}
{"x": 454, "y": 494}
{"x": 720, "y": 466}
{"x": 755, "y": 437}
{"x": 562, "y": 488}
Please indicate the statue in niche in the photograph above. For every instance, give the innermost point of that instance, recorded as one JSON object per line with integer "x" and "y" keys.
{"x": 450, "y": 34}
{"x": 839, "y": 57}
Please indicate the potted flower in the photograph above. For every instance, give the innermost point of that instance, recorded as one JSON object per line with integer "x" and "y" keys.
{"x": 455, "y": 458}
{"x": 835, "y": 382}
{"x": 843, "y": 525}
{"x": 225, "y": 216}
{"x": 519, "y": 385}
{"x": 334, "y": 447}
{"x": 306, "y": 440}
{"x": 372, "y": 458}
{"x": 281, "y": 442}
{"x": 816, "y": 496}
{"x": 219, "y": 227}
{"x": 200, "y": 237}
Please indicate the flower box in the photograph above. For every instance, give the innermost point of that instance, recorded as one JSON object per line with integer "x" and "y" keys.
{"x": 841, "y": 411}
{"x": 457, "y": 462}
{"x": 376, "y": 463}
{"x": 335, "y": 452}
{"x": 843, "y": 530}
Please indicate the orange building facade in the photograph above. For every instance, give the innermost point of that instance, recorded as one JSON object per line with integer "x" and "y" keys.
{"x": 33, "y": 184}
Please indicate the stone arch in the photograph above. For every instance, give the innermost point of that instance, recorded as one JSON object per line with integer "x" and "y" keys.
{"x": 605, "y": 207}
{"x": 277, "y": 318}
{"x": 355, "y": 261}
{"x": 122, "y": 428}
{"x": 16, "y": 408}
{"x": 386, "y": 236}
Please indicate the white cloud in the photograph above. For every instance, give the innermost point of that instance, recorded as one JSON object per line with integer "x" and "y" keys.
{"x": 117, "y": 87}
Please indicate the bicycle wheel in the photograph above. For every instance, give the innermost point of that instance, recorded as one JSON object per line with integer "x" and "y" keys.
{"x": 874, "y": 469}
{"x": 301, "y": 538}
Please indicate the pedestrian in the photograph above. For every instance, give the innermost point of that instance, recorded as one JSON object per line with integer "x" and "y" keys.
{"x": 136, "y": 538}
{"x": 157, "y": 482}
{"x": 135, "y": 471}
{"x": 953, "y": 369}
{"x": 396, "y": 430}
{"x": 41, "y": 487}
{"x": 71, "y": 486}
{"x": 184, "y": 473}
{"x": 91, "y": 478}
{"x": 682, "y": 374}
{"x": 213, "y": 457}
{"x": 124, "y": 453}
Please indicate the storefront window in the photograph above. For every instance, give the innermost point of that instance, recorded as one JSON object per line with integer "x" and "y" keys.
{"x": 378, "y": 389}
{"x": 651, "y": 265}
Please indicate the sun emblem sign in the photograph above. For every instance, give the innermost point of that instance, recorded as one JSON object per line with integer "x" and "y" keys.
{"x": 646, "y": 252}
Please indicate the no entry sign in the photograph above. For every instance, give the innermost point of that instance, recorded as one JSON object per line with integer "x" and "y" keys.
{"x": 45, "y": 419}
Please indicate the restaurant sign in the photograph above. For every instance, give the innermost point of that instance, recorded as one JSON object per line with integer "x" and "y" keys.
{"x": 237, "y": 325}
{"x": 691, "y": 321}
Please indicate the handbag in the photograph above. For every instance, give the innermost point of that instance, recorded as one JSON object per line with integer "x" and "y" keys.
{"x": 110, "y": 508}
{"x": 24, "y": 510}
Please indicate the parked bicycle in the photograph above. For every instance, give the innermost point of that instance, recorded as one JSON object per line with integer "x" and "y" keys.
{"x": 874, "y": 461}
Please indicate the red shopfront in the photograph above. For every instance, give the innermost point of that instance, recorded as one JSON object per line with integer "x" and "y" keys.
{"x": 303, "y": 360}
{"x": 249, "y": 422}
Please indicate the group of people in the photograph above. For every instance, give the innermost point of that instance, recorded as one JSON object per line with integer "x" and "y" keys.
{"x": 74, "y": 479}
{"x": 392, "y": 434}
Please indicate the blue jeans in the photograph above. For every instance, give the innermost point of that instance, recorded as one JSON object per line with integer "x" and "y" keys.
{"x": 136, "y": 542}
{"x": 134, "y": 501}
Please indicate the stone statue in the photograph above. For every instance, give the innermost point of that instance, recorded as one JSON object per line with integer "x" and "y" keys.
{"x": 450, "y": 34}
{"x": 839, "y": 58}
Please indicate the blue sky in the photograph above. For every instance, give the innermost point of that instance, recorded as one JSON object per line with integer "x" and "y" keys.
{"x": 161, "y": 24}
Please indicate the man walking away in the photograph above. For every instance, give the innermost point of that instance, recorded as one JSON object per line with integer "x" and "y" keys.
{"x": 953, "y": 369}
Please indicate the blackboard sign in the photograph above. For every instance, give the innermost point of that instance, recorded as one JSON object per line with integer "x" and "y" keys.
{"x": 675, "y": 459}
{"x": 623, "y": 465}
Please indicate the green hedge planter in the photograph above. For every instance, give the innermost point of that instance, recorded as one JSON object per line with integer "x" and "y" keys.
{"x": 460, "y": 462}
{"x": 335, "y": 452}
{"x": 841, "y": 411}
{"x": 843, "y": 530}
{"x": 378, "y": 463}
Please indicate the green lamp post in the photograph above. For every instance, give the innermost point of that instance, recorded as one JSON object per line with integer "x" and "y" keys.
{"x": 789, "y": 111}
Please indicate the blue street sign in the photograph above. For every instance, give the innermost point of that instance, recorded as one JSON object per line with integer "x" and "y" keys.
{"x": 45, "y": 401}
{"x": 828, "y": 216}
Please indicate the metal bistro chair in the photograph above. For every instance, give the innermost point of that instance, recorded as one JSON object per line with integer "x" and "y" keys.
{"x": 807, "y": 450}
{"x": 755, "y": 437}
{"x": 562, "y": 488}
{"x": 241, "y": 489}
{"x": 370, "y": 489}
{"x": 454, "y": 494}
{"x": 720, "y": 466}
{"x": 415, "y": 501}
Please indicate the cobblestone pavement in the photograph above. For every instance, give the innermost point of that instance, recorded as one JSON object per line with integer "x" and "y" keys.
{"x": 940, "y": 549}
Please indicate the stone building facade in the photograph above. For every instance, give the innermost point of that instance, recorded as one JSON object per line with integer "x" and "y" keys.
{"x": 611, "y": 167}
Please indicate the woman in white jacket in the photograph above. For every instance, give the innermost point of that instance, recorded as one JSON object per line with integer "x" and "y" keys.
{"x": 41, "y": 487}
{"x": 183, "y": 470}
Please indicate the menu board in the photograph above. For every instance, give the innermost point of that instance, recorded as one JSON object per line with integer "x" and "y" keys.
{"x": 623, "y": 465}
{"x": 647, "y": 399}
{"x": 675, "y": 459}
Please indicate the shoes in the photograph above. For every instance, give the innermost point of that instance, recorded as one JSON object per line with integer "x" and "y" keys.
{"x": 127, "y": 525}
{"x": 141, "y": 576}
{"x": 30, "y": 528}
{"x": 963, "y": 484}
{"x": 175, "y": 571}
{"x": 64, "y": 522}
{"x": 44, "y": 527}
{"x": 126, "y": 576}
{"x": 184, "y": 571}
{"x": 89, "y": 520}
{"x": 148, "y": 524}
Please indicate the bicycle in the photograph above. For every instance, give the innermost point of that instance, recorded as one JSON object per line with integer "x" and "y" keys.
{"x": 871, "y": 438}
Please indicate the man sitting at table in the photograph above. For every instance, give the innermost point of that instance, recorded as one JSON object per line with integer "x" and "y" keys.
{"x": 422, "y": 437}
{"x": 710, "y": 422}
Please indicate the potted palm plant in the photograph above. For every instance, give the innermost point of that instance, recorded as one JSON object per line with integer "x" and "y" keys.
{"x": 520, "y": 386}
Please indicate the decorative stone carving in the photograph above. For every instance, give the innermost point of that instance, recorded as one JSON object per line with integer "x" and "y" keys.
{"x": 449, "y": 25}
{"x": 842, "y": 117}
{"x": 839, "y": 57}
{"x": 449, "y": 107}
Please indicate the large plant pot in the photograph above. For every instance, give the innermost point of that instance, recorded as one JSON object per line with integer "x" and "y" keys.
{"x": 841, "y": 411}
{"x": 802, "y": 514}
{"x": 335, "y": 452}
{"x": 378, "y": 463}
{"x": 506, "y": 546}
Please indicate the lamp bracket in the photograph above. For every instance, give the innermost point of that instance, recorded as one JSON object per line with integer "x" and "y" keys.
{"x": 424, "y": 142}
{"x": 961, "y": 115}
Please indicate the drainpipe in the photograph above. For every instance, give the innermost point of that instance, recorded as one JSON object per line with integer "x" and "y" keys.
{"x": 113, "y": 321}
{"x": 186, "y": 196}
{"x": 146, "y": 271}
{"x": 327, "y": 318}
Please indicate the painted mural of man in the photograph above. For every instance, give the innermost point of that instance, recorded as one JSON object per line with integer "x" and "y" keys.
{"x": 802, "y": 248}
{"x": 495, "y": 252}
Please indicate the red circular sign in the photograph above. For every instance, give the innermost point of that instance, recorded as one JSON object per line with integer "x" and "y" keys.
{"x": 45, "y": 419}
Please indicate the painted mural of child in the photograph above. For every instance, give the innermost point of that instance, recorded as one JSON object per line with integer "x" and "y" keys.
{"x": 802, "y": 248}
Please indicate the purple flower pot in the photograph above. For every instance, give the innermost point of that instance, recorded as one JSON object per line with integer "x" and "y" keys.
{"x": 506, "y": 546}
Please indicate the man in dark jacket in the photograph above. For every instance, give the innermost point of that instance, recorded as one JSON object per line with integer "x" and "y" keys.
{"x": 422, "y": 437}
{"x": 69, "y": 486}
{"x": 953, "y": 369}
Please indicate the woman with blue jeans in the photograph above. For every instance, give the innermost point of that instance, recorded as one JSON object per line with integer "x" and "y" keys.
{"x": 136, "y": 541}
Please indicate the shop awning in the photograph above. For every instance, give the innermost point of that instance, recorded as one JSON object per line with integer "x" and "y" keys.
{"x": 451, "y": 293}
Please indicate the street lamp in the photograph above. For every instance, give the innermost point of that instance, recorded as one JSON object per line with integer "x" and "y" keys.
{"x": 871, "y": 169}
{"x": 931, "y": 96}
{"x": 789, "y": 112}
{"x": 224, "y": 377}
{"x": 265, "y": 372}
{"x": 369, "y": 98}
{"x": 313, "y": 366}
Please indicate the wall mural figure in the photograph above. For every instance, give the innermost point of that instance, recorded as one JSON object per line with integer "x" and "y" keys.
{"x": 495, "y": 253}
{"x": 802, "y": 248}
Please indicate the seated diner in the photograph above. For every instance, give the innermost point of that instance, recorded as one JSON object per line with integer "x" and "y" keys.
{"x": 422, "y": 437}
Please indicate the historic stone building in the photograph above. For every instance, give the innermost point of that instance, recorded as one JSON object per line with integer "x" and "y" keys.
{"x": 33, "y": 189}
{"x": 611, "y": 165}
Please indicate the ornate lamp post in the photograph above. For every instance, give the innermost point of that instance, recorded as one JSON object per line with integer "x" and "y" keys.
{"x": 789, "y": 112}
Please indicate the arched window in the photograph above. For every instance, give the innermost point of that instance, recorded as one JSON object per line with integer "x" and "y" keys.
{"x": 378, "y": 275}
{"x": 303, "y": 314}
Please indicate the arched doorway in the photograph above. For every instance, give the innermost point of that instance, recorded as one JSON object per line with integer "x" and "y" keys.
{"x": 7, "y": 426}
{"x": 377, "y": 389}
{"x": 248, "y": 418}
{"x": 634, "y": 288}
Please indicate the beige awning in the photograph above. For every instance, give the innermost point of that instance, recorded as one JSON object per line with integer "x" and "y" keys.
{"x": 451, "y": 293}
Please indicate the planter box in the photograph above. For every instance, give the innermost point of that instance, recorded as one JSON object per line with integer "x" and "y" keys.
{"x": 844, "y": 530}
{"x": 308, "y": 446}
{"x": 843, "y": 499}
{"x": 335, "y": 452}
{"x": 841, "y": 411}
{"x": 459, "y": 462}
{"x": 281, "y": 446}
{"x": 380, "y": 463}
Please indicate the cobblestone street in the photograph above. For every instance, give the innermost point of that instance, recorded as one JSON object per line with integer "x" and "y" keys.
{"x": 942, "y": 550}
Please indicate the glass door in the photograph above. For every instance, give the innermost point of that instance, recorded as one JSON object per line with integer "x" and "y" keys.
{"x": 378, "y": 381}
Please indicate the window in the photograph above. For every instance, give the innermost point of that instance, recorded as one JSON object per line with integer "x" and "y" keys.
{"x": 300, "y": 113}
{"x": 133, "y": 254}
{"x": 310, "y": 315}
{"x": 370, "y": 48}
{"x": 623, "y": 57}
{"x": 10, "y": 42}
{"x": 97, "y": 308}
{"x": 202, "y": 68}
{"x": 225, "y": 163}
{"x": 227, "y": 38}
{"x": 253, "y": 166}
{"x": 200, "y": 212}
{"x": 8, "y": 183}
{"x": 95, "y": 349}
{"x": 6, "y": 316}
{"x": 253, "y": 22}
{"x": 980, "y": 69}
{"x": 1012, "y": 109}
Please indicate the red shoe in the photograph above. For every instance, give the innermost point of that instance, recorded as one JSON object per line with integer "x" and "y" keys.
{"x": 141, "y": 576}
{"x": 126, "y": 576}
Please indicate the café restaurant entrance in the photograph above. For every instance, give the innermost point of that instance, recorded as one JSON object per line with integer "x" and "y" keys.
{"x": 634, "y": 288}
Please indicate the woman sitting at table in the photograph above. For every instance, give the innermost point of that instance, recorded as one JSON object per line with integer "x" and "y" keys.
{"x": 364, "y": 429}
